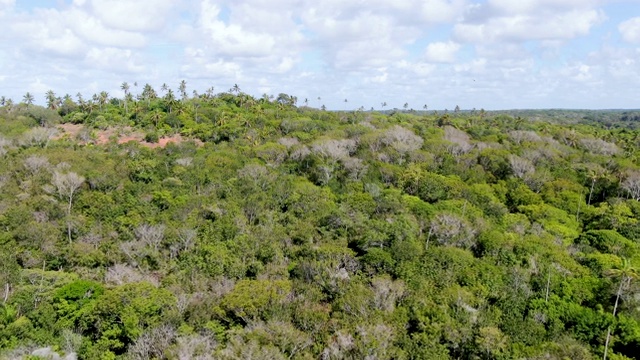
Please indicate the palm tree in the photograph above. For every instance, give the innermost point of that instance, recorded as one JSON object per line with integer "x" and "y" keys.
{"x": 626, "y": 273}
{"x": 137, "y": 108}
{"x": 183, "y": 90}
{"x": 235, "y": 89}
{"x": 170, "y": 99}
{"x": 156, "y": 116}
{"x": 164, "y": 88}
{"x": 196, "y": 106}
{"x": 3, "y": 101}
{"x": 28, "y": 98}
{"x": 148, "y": 93}
{"x": 9, "y": 104}
{"x": 125, "y": 88}
{"x": 51, "y": 100}
{"x": 103, "y": 99}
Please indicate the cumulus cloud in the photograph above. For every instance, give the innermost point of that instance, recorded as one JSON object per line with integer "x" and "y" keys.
{"x": 6, "y": 5}
{"x": 520, "y": 27}
{"x": 114, "y": 59}
{"x": 132, "y": 15}
{"x": 444, "y": 52}
{"x": 630, "y": 30}
{"x": 482, "y": 53}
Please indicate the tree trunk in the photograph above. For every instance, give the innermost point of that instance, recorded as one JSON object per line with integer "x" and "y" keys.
{"x": 615, "y": 309}
{"x": 69, "y": 218}
{"x": 546, "y": 297}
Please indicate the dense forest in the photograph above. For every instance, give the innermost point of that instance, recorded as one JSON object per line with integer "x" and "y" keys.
{"x": 274, "y": 230}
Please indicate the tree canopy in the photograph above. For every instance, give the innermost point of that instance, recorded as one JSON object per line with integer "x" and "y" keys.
{"x": 272, "y": 230}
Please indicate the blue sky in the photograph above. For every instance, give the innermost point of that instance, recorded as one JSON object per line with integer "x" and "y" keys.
{"x": 491, "y": 54}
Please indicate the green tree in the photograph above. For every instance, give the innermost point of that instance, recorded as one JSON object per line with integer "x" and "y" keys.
{"x": 52, "y": 100}
{"x": 125, "y": 87}
{"x": 625, "y": 273}
{"x": 28, "y": 98}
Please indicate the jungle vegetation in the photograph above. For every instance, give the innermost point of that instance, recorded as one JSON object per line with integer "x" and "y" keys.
{"x": 275, "y": 230}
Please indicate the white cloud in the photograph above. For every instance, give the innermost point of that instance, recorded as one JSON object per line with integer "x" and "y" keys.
{"x": 232, "y": 40}
{"x": 443, "y": 52}
{"x": 441, "y": 11}
{"x": 96, "y": 33}
{"x": 630, "y": 30}
{"x": 132, "y": 15}
{"x": 525, "y": 27}
{"x": 477, "y": 53}
{"x": 6, "y": 5}
{"x": 114, "y": 59}
{"x": 48, "y": 34}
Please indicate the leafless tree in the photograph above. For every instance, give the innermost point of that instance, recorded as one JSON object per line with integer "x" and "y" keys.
{"x": 150, "y": 235}
{"x": 520, "y": 136}
{"x": 461, "y": 142}
{"x": 120, "y": 274}
{"x": 187, "y": 239}
{"x": 334, "y": 149}
{"x": 195, "y": 347}
{"x": 402, "y": 140}
{"x": 288, "y": 142}
{"x": 355, "y": 167}
{"x": 39, "y": 136}
{"x": 153, "y": 343}
{"x": 256, "y": 174}
{"x": 66, "y": 186}
{"x": 386, "y": 292}
{"x": 340, "y": 344}
{"x": 186, "y": 161}
{"x": 632, "y": 185}
{"x": 520, "y": 167}
{"x": 450, "y": 229}
{"x": 35, "y": 164}
{"x": 599, "y": 146}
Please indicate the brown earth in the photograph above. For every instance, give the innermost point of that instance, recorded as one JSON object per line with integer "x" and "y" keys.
{"x": 123, "y": 135}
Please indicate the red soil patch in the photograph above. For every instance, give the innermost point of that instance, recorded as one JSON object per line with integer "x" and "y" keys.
{"x": 123, "y": 135}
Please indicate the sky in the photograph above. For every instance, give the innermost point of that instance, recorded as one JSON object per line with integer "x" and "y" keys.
{"x": 482, "y": 54}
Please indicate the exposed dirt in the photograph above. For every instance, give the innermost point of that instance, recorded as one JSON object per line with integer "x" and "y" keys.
{"x": 122, "y": 136}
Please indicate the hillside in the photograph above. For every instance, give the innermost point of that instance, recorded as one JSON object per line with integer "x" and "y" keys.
{"x": 223, "y": 226}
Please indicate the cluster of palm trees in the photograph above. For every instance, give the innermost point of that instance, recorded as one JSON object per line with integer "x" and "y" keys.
{"x": 149, "y": 93}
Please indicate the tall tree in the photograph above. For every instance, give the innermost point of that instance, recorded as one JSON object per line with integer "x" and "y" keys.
{"x": 103, "y": 99}
{"x": 170, "y": 99}
{"x": 125, "y": 88}
{"x": 67, "y": 185}
{"x": 148, "y": 93}
{"x": 183, "y": 90}
{"x": 52, "y": 102}
{"x": 625, "y": 273}
{"x": 28, "y": 98}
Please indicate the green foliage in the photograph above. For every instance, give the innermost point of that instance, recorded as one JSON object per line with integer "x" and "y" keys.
{"x": 289, "y": 232}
